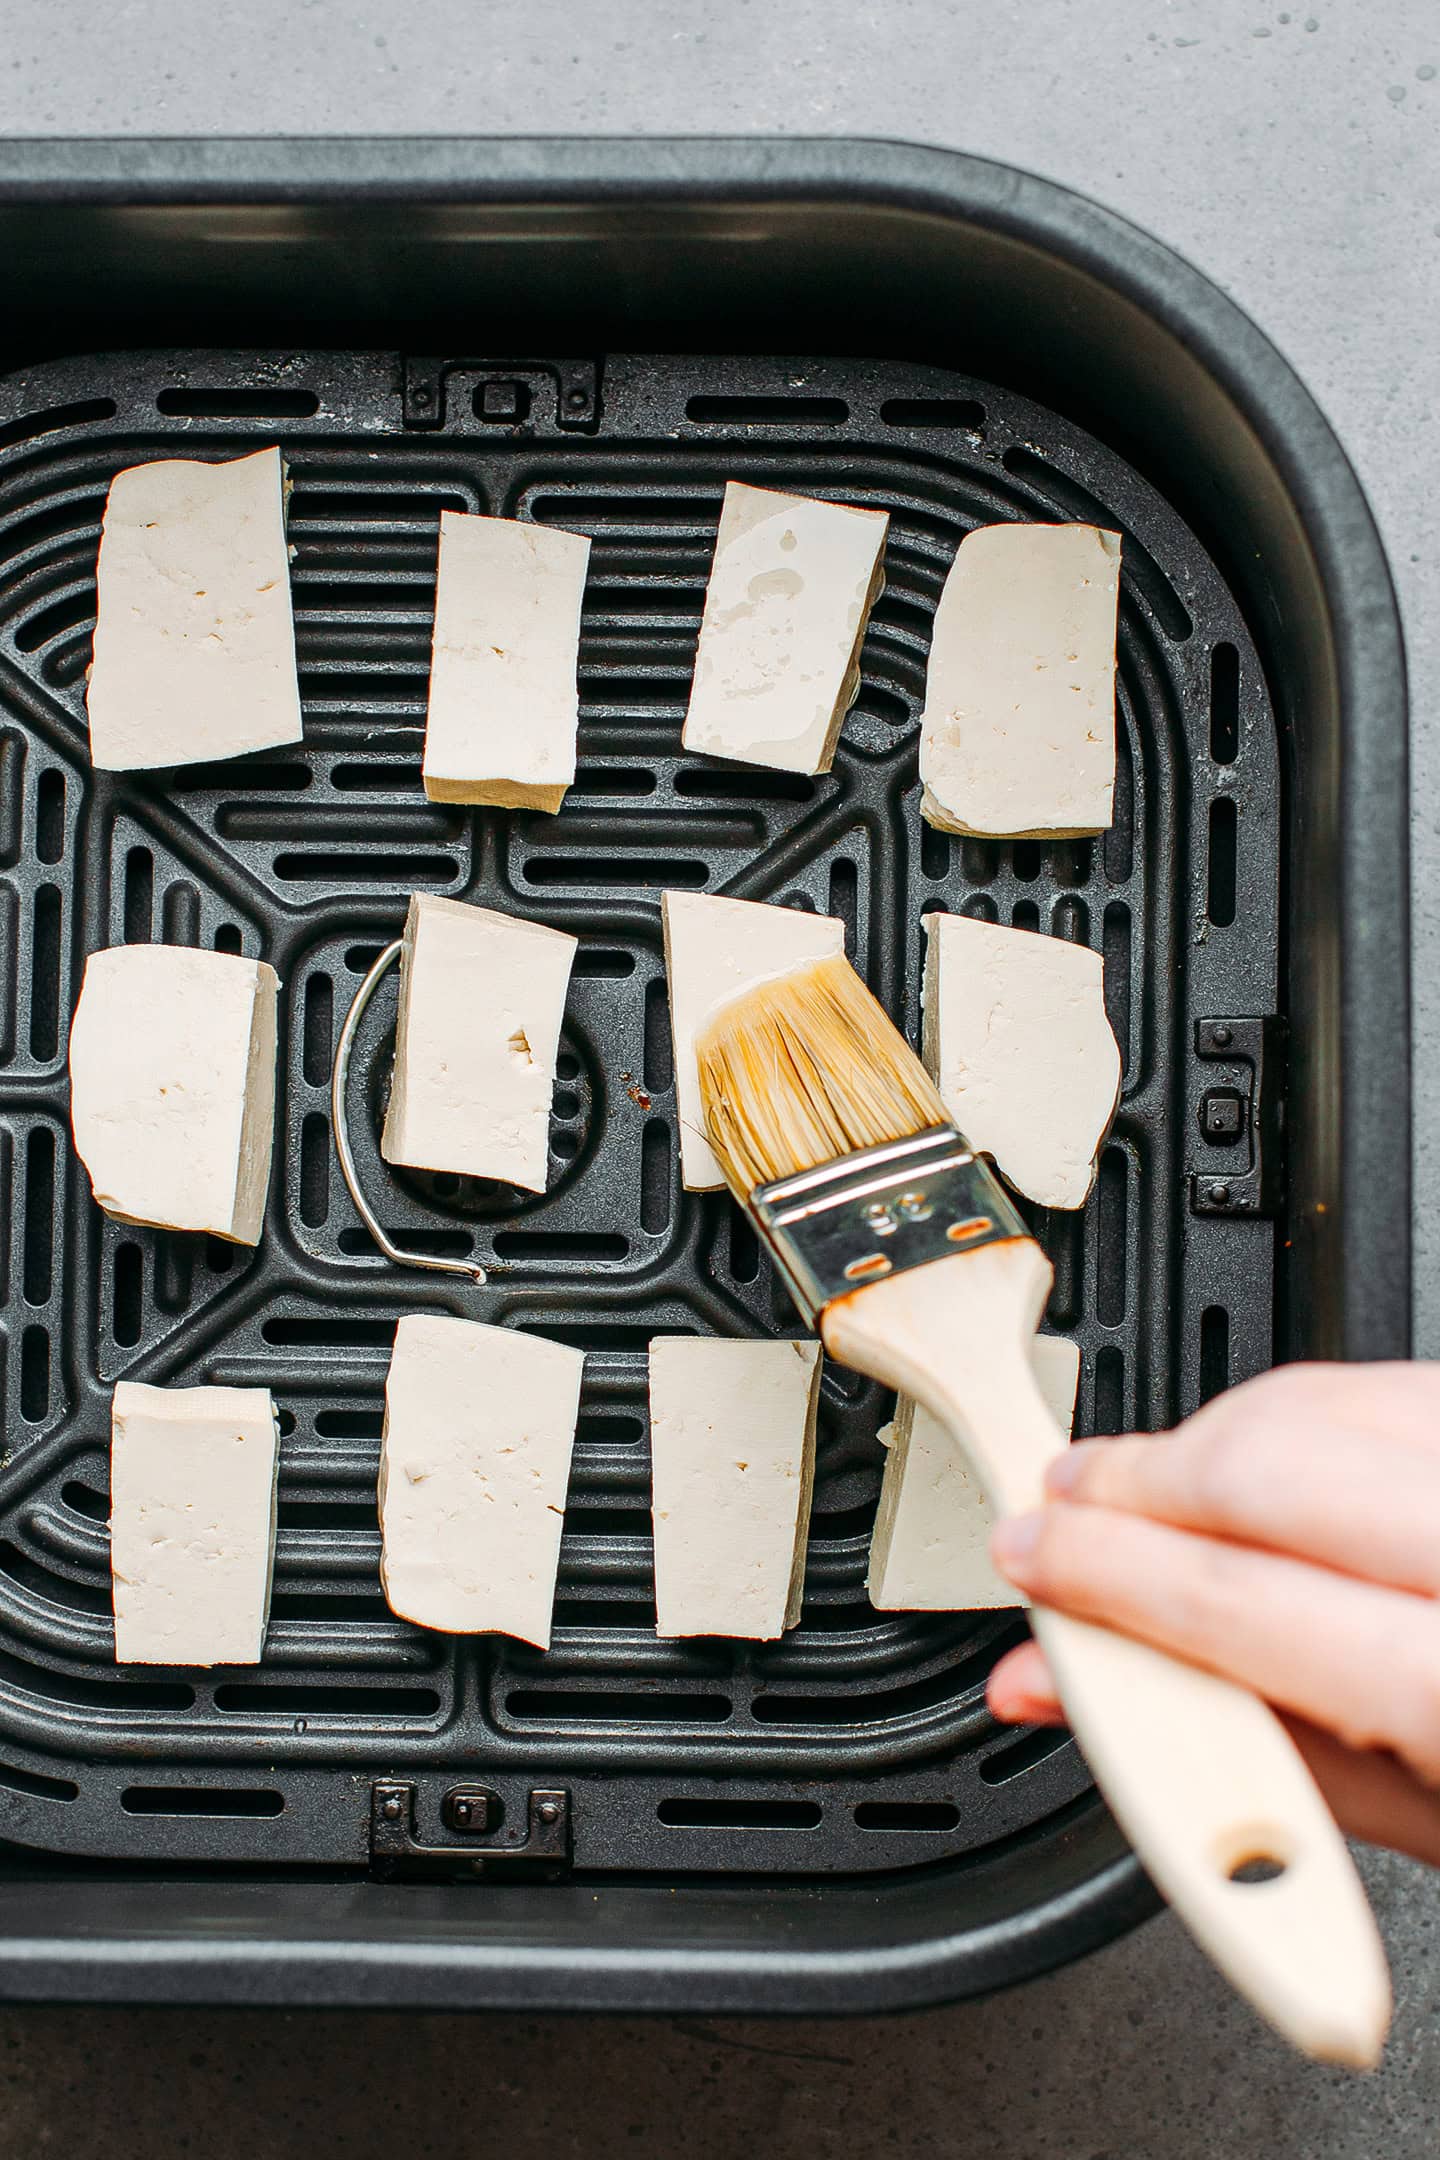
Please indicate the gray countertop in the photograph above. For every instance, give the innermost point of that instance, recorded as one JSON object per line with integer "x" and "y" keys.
{"x": 1293, "y": 154}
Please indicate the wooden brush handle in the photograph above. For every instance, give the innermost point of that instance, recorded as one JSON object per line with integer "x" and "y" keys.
{"x": 1200, "y": 1774}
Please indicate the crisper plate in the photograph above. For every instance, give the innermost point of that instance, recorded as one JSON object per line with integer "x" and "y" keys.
{"x": 861, "y": 1741}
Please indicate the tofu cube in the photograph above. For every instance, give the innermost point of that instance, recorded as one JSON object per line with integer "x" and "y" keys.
{"x": 172, "y": 1087}
{"x": 482, "y": 998}
{"x": 716, "y": 950}
{"x": 474, "y": 1464}
{"x": 192, "y": 1523}
{"x": 194, "y": 642}
{"x": 1018, "y": 733}
{"x": 790, "y": 591}
{"x": 1018, "y": 1042}
{"x": 930, "y": 1551}
{"x": 504, "y": 705}
{"x": 732, "y": 1450}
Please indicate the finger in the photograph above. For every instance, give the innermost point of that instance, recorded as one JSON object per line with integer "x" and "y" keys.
{"x": 1020, "y": 1690}
{"x": 1372, "y": 1797}
{"x": 1324, "y": 1491}
{"x": 1396, "y": 1397}
{"x": 1356, "y": 1658}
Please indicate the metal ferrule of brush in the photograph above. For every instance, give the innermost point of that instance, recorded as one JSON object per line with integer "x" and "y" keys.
{"x": 880, "y": 1212}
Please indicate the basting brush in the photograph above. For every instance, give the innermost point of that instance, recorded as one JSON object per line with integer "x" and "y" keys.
{"x": 900, "y": 1246}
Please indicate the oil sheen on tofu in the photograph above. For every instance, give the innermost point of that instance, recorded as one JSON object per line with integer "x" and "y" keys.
{"x": 504, "y": 703}
{"x": 1018, "y": 733}
{"x": 172, "y": 1086}
{"x": 192, "y": 1523}
{"x": 474, "y": 1465}
{"x": 732, "y": 1447}
{"x": 930, "y": 1549}
{"x": 778, "y": 663}
{"x": 715, "y": 950}
{"x": 482, "y": 998}
{"x": 194, "y": 638}
{"x": 1019, "y": 1044}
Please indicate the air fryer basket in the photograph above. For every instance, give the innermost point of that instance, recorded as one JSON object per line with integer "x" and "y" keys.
{"x": 832, "y": 1820}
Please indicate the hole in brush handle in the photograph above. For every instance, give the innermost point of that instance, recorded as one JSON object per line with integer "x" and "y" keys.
{"x": 1261, "y": 1869}
{"x": 1260, "y": 1854}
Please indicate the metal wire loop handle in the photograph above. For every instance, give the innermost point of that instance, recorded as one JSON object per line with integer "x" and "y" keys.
{"x": 339, "y": 1118}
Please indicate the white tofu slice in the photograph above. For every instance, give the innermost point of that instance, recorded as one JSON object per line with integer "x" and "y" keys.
{"x": 172, "y": 1086}
{"x": 504, "y": 705}
{"x": 791, "y": 587}
{"x": 732, "y": 1450}
{"x": 1021, "y": 1048}
{"x": 482, "y": 997}
{"x": 194, "y": 640}
{"x": 192, "y": 1523}
{"x": 930, "y": 1550}
{"x": 1018, "y": 735}
{"x": 474, "y": 1463}
{"x": 715, "y": 950}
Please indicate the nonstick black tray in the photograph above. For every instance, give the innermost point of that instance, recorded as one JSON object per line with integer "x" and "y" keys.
{"x": 831, "y": 1823}
{"x": 861, "y": 1741}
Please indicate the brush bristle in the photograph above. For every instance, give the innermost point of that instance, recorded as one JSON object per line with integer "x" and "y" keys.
{"x": 806, "y": 1069}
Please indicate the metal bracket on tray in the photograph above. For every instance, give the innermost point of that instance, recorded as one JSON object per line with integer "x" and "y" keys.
{"x": 471, "y": 1811}
{"x": 1242, "y": 1112}
{"x": 340, "y": 1119}
{"x": 505, "y": 388}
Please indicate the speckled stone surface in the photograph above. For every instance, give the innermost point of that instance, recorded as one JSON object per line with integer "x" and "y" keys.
{"x": 1140, "y": 2054}
{"x": 1295, "y": 155}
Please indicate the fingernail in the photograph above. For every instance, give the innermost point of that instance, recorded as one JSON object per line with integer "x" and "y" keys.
{"x": 1014, "y": 1540}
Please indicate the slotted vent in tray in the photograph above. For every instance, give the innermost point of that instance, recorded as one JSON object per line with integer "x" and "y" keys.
{"x": 861, "y": 1741}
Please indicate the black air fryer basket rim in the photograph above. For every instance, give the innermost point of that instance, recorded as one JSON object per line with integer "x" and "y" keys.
{"x": 1368, "y": 657}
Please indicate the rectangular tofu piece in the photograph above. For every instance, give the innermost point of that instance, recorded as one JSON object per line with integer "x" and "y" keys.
{"x": 1018, "y": 734}
{"x": 192, "y": 1523}
{"x": 715, "y": 950}
{"x": 172, "y": 1087}
{"x": 791, "y": 587}
{"x": 732, "y": 1451}
{"x": 1020, "y": 1046}
{"x": 194, "y": 641}
{"x": 474, "y": 1465}
{"x": 482, "y": 998}
{"x": 930, "y": 1550}
{"x": 504, "y": 704}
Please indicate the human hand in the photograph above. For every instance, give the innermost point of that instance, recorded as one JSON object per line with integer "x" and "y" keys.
{"x": 1287, "y": 1536}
